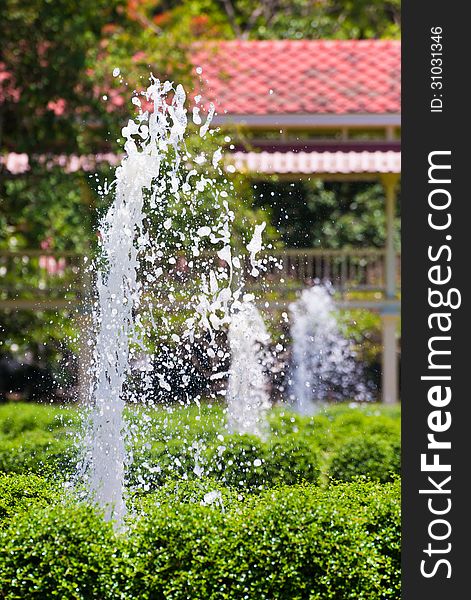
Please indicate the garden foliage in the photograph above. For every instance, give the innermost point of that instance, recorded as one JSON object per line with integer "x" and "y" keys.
{"x": 299, "y": 542}
{"x": 337, "y": 444}
{"x": 301, "y": 514}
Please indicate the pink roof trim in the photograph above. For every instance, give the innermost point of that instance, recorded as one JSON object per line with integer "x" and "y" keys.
{"x": 255, "y": 162}
{"x": 318, "y": 162}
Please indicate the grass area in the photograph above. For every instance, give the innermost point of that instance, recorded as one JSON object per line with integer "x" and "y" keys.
{"x": 310, "y": 512}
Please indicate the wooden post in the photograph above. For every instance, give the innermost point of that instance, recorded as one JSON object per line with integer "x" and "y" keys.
{"x": 389, "y": 318}
{"x": 389, "y": 373}
{"x": 390, "y": 182}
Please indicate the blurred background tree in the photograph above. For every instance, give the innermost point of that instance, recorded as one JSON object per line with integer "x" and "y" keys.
{"x": 318, "y": 214}
{"x": 272, "y": 19}
{"x": 45, "y": 50}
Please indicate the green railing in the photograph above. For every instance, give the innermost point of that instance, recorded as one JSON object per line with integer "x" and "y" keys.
{"x": 45, "y": 279}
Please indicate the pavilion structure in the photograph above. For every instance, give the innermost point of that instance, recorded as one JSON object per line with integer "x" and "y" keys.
{"x": 319, "y": 109}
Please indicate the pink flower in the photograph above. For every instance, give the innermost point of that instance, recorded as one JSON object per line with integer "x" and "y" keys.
{"x": 115, "y": 100}
{"x": 138, "y": 56}
{"x": 52, "y": 265}
{"x": 57, "y": 106}
{"x": 73, "y": 165}
{"x": 8, "y": 89}
{"x": 17, "y": 163}
{"x": 46, "y": 244}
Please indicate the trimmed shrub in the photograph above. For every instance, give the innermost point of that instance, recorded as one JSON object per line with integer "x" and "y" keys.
{"x": 37, "y": 452}
{"x": 242, "y": 462}
{"x": 291, "y": 543}
{"x": 163, "y": 462}
{"x": 298, "y": 543}
{"x": 246, "y": 462}
{"x": 371, "y": 456}
{"x": 238, "y": 461}
{"x": 287, "y": 422}
{"x": 19, "y": 417}
{"x": 396, "y": 455}
{"x": 188, "y": 492}
{"x": 34, "y": 439}
{"x": 337, "y": 423}
{"x": 18, "y": 493}
{"x": 66, "y": 552}
{"x": 291, "y": 459}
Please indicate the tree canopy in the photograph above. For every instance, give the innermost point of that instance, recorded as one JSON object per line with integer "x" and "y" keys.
{"x": 57, "y": 91}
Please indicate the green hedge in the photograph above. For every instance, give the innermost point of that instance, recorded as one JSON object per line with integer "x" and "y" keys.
{"x": 19, "y": 417}
{"x": 37, "y": 451}
{"x": 337, "y": 423}
{"x": 61, "y": 552}
{"x": 19, "y": 492}
{"x": 291, "y": 543}
{"x": 339, "y": 443}
{"x": 372, "y": 456}
{"x": 241, "y": 461}
{"x": 316, "y": 540}
{"x": 37, "y": 438}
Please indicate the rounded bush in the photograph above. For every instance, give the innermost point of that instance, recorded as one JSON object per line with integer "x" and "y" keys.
{"x": 300, "y": 542}
{"x": 20, "y": 417}
{"x": 370, "y": 456}
{"x": 163, "y": 462}
{"x": 66, "y": 552}
{"x": 293, "y": 542}
{"x": 18, "y": 493}
{"x": 38, "y": 452}
{"x": 238, "y": 461}
{"x": 291, "y": 459}
{"x": 247, "y": 462}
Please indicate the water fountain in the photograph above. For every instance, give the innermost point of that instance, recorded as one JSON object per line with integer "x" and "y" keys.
{"x": 247, "y": 392}
{"x": 151, "y": 242}
{"x": 156, "y": 193}
{"x": 324, "y": 366}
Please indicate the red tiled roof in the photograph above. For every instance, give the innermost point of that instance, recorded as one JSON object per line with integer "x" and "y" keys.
{"x": 315, "y": 76}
